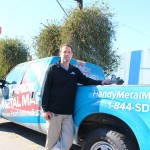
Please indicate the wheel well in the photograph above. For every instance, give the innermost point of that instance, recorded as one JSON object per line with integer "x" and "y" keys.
{"x": 98, "y": 120}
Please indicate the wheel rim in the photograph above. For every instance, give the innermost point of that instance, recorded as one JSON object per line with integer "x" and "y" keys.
{"x": 102, "y": 146}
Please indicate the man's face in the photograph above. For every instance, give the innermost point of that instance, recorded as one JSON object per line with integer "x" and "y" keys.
{"x": 66, "y": 54}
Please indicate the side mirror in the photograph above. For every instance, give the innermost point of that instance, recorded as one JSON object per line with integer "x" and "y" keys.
{"x": 2, "y": 83}
{"x": 14, "y": 82}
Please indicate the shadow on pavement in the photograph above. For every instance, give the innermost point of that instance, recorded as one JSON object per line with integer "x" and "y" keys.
{"x": 29, "y": 134}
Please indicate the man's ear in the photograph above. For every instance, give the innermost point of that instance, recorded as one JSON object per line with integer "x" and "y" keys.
{"x": 59, "y": 53}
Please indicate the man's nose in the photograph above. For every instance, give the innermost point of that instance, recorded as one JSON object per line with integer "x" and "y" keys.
{"x": 67, "y": 53}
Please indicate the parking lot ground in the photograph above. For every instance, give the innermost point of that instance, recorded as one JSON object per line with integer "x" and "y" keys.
{"x": 14, "y": 136}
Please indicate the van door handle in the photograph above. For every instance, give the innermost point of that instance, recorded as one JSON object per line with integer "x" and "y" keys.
{"x": 13, "y": 93}
{"x": 33, "y": 94}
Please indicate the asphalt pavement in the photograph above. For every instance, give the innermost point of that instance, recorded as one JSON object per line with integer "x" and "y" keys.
{"x": 17, "y": 137}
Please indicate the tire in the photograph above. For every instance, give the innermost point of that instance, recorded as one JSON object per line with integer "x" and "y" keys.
{"x": 106, "y": 139}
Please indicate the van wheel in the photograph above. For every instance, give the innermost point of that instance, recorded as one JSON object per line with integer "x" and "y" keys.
{"x": 106, "y": 139}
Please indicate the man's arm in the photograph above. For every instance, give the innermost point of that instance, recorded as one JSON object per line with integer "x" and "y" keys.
{"x": 46, "y": 90}
{"x": 88, "y": 81}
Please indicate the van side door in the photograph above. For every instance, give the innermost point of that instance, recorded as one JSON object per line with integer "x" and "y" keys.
{"x": 30, "y": 92}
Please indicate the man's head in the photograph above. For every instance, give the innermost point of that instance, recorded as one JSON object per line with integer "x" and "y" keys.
{"x": 66, "y": 53}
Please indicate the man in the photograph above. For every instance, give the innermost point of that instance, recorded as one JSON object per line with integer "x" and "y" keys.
{"x": 58, "y": 99}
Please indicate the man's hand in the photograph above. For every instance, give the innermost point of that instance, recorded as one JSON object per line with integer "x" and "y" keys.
{"x": 113, "y": 80}
{"x": 107, "y": 82}
{"x": 117, "y": 81}
{"x": 47, "y": 115}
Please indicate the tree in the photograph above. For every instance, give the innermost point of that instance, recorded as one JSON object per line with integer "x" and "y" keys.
{"x": 49, "y": 40}
{"x": 91, "y": 32}
{"x": 12, "y": 52}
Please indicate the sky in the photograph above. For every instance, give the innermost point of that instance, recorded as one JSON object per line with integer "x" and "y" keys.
{"x": 25, "y": 18}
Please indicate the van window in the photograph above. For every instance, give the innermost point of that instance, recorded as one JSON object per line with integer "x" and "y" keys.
{"x": 16, "y": 74}
{"x": 33, "y": 73}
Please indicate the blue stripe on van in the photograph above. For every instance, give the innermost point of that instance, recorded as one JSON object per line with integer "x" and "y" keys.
{"x": 27, "y": 119}
{"x": 134, "y": 71}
